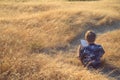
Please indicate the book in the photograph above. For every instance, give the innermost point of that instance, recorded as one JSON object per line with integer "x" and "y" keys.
{"x": 83, "y": 43}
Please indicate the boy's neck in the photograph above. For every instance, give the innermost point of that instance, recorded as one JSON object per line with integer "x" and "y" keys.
{"x": 91, "y": 43}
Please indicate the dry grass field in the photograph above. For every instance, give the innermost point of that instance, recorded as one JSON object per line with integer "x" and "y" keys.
{"x": 39, "y": 39}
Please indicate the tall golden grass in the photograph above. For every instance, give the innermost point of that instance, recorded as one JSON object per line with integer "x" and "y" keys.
{"x": 39, "y": 40}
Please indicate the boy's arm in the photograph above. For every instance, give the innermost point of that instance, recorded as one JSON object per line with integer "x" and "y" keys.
{"x": 81, "y": 50}
{"x": 101, "y": 51}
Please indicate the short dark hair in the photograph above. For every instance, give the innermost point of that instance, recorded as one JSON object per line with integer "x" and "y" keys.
{"x": 90, "y": 36}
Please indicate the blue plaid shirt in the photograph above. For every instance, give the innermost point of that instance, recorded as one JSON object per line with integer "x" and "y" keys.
{"x": 90, "y": 53}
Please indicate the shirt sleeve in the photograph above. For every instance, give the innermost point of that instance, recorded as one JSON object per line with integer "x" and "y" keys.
{"x": 101, "y": 51}
{"x": 82, "y": 52}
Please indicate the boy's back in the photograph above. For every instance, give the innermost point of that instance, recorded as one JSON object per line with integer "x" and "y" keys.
{"x": 92, "y": 52}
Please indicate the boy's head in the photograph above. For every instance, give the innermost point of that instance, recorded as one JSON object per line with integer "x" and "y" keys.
{"x": 90, "y": 36}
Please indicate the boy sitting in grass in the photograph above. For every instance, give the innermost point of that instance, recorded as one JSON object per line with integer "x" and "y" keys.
{"x": 90, "y": 55}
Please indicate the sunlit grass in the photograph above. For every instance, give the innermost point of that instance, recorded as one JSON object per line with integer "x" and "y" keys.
{"x": 39, "y": 40}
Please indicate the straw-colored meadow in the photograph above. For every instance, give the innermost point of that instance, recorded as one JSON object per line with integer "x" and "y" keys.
{"x": 39, "y": 39}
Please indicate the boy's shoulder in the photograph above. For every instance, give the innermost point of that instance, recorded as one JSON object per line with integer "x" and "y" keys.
{"x": 93, "y": 46}
{"x": 99, "y": 46}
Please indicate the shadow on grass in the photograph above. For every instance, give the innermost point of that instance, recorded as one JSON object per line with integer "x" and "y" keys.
{"x": 98, "y": 29}
{"x": 110, "y": 70}
{"x": 76, "y": 40}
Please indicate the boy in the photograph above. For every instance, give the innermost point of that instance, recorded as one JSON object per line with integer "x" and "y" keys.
{"x": 90, "y": 55}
